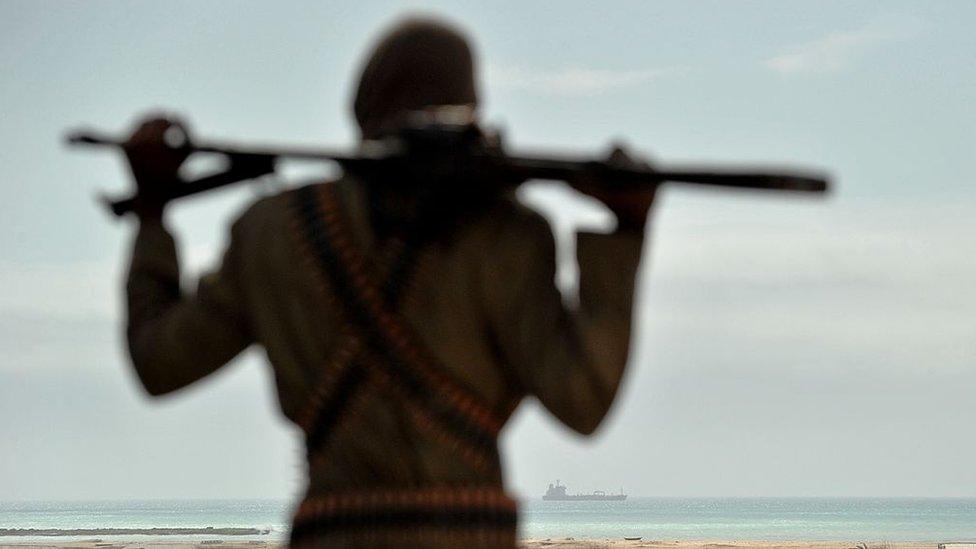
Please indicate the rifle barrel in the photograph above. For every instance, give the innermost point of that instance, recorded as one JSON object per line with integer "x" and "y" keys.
{"x": 567, "y": 170}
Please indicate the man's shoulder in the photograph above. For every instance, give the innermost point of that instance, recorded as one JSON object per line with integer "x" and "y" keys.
{"x": 507, "y": 222}
{"x": 270, "y": 211}
{"x": 513, "y": 221}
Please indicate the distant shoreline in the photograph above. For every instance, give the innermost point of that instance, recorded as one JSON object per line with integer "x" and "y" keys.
{"x": 549, "y": 543}
{"x": 59, "y": 532}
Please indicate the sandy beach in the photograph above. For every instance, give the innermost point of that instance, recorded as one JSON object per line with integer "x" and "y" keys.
{"x": 556, "y": 543}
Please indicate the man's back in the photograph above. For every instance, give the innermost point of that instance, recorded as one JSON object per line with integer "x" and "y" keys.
{"x": 481, "y": 302}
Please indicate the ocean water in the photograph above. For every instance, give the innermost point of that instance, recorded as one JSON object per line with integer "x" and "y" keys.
{"x": 826, "y": 519}
{"x": 271, "y": 515}
{"x": 855, "y": 519}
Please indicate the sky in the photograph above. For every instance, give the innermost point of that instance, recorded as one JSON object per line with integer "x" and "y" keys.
{"x": 785, "y": 345}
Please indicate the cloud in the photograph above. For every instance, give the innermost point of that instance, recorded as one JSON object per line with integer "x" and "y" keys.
{"x": 838, "y": 50}
{"x": 71, "y": 290}
{"x": 847, "y": 286}
{"x": 570, "y": 80}
{"x": 84, "y": 290}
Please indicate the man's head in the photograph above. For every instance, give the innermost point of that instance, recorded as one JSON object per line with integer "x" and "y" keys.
{"x": 419, "y": 63}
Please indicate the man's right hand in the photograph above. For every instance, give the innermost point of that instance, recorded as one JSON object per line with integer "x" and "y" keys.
{"x": 156, "y": 150}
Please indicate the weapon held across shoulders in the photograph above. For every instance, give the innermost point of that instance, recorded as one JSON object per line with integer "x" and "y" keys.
{"x": 248, "y": 163}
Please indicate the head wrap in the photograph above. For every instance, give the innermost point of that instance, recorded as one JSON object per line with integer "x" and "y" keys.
{"x": 419, "y": 63}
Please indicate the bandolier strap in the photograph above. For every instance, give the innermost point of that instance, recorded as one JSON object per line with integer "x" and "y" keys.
{"x": 380, "y": 349}
{"x": 446, "y": 409}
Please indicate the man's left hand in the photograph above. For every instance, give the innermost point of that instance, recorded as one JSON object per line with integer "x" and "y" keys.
{"x": 630, "y": 205}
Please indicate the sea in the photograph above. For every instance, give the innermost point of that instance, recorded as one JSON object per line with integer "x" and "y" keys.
{"x": 847, "y": 519}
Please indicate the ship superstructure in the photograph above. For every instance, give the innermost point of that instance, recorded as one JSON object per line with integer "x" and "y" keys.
{"x": 557, "y": 492}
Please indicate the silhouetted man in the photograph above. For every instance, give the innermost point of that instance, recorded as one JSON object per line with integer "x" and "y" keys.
{"x": 401, "y": 336}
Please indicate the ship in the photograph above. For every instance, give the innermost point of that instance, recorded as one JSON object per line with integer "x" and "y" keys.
{"x": 557, "y": 492}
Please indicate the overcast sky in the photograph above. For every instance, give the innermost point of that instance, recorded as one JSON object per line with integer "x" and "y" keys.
{"x": 786, "y": 346}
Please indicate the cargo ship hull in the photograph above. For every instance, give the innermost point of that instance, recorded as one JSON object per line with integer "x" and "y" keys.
{"x": 586, "y": 497}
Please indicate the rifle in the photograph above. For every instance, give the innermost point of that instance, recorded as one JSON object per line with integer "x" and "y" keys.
{"x": 441, "y": 150}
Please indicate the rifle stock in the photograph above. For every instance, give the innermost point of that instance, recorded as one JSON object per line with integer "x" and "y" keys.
{"x": 421, "y": 148}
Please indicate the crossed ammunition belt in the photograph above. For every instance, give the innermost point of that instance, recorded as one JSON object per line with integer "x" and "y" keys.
{"x": 381, "y": 349}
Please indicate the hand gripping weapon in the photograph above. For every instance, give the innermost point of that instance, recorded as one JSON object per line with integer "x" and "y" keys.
{"x": 436, "y": 149}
